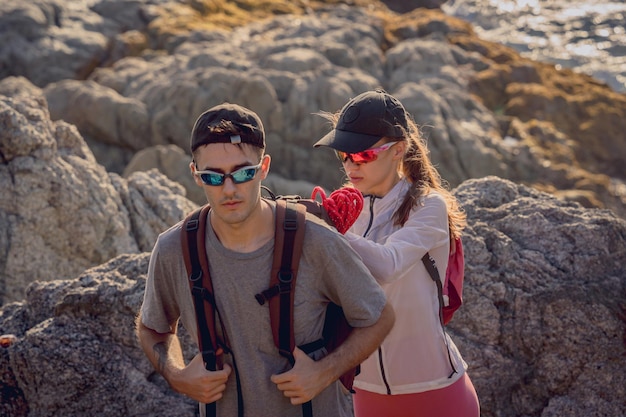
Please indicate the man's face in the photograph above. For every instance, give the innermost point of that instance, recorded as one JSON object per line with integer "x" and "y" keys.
{"x": 231, "y": 203}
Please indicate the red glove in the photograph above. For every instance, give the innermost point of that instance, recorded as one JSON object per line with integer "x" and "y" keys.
{"x": 343, "y": 206}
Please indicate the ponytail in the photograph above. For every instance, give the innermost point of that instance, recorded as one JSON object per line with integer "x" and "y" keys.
{"x": 424, "y": 178}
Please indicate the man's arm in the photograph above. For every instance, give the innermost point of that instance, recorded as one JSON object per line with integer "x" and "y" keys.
{"x": 165, "y": 354}
{"x": 308, "y": 378}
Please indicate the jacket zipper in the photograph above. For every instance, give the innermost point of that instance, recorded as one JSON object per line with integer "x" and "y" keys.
{"x": 380, "y": 349}
{"x": 382, "y": 369}
{"x": 369, "y": 225}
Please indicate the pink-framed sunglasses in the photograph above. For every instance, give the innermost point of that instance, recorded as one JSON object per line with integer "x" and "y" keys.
{"x": 363, "y": 157}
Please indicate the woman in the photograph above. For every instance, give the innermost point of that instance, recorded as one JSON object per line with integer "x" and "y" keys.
{"x": 417, "y": 371}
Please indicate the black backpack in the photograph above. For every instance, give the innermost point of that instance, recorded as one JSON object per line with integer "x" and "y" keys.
{"x": 289, "y": 237}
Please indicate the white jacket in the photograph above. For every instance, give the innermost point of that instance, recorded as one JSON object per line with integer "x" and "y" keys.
{"x": 414, "y": 356}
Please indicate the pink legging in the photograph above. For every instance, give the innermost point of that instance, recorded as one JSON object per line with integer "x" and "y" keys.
{"x": 457, "y": 400}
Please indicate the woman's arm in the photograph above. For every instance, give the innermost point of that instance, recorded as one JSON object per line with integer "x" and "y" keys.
{"x": 392, "y": 255}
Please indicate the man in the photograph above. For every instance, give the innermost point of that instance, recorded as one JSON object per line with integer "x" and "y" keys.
{"x": 229, "y": 163}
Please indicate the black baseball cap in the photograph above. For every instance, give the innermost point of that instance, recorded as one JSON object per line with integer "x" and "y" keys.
{"x": 246, "y": 127}
{"x": 366, "y": 119}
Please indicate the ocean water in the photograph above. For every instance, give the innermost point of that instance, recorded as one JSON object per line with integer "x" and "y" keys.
{"x": 587, "y": 36}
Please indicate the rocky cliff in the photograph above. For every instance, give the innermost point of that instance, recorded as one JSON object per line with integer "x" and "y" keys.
{"x": 96, "y": 102}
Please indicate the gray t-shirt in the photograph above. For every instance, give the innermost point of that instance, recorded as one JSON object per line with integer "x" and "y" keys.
{"x": 329, "y": 271}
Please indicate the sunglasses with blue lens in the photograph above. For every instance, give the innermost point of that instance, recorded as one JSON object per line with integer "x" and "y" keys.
{"x": 239, "y": 176}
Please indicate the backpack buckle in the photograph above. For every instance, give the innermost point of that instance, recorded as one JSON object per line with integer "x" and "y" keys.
{"x": 284, "y": 287}
{"x": 290, "y": 224}
{"x": 196, "y": 276}
{"x": 192, "y": 225}
{"x": 285, "y": 277}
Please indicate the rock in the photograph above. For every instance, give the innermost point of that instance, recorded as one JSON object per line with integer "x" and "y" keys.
{"x": 100, "y": 112}
{"x": 21, "y": 87}
{"x": 173, "y": 162}
{"x": 483, "y": 109}
{"x": 542, "y": 322}
{"x": 404, "y": 6}
{"x": 62, "y": 212}
{"x": 549, "y": 119}
{"x": 48, "y": 41}
{"x": 80, "y": 338}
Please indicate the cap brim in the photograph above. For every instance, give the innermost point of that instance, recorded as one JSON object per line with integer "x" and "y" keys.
{"x": 350, "y": 142}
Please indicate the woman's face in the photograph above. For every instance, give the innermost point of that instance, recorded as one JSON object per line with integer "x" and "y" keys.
{"x": 379, "y": 175}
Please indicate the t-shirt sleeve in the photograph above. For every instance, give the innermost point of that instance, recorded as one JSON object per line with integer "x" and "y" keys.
{"x": 159, "y": 310}
{"x": 346, "y": 281}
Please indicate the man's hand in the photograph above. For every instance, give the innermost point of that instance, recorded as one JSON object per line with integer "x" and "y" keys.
{"x": 197, "y": 383}
{"x": 302, "y": 382}
{"x": 308, "y": 378}
{"x": 193, "y": 380}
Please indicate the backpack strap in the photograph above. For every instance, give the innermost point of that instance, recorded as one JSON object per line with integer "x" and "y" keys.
{"x": 289, "y": 238}
{"x": 193, "y": 235}
{"x": 431, "y": 267}
{"x": 192, "y": 240}
{"x": 288, "y": 242}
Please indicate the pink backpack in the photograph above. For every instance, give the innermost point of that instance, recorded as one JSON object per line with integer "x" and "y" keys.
{"x": 451, "y": 292}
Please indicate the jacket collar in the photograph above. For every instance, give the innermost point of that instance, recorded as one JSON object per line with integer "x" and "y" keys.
{"x": 378, "y": 211}
{"x": 391, "y": 200}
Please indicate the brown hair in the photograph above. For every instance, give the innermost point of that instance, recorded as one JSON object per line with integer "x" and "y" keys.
{"x": 424, "y": 178}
